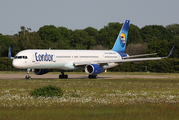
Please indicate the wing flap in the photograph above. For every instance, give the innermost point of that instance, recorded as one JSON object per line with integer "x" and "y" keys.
{"x": 134, "y": 56}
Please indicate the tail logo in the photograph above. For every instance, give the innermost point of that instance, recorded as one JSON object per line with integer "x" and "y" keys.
{"x": 123, "y": 39}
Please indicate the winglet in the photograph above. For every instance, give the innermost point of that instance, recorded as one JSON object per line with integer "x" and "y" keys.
{"x": 171, "y": 51}
{"x": 9, "y": 54}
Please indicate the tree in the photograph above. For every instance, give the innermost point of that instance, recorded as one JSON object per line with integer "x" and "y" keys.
{"x": 159, "y": 47}
{"x": 26, "y": 40}
{"x": 155, "y": 32}
{"x": 173, "y": 28}
{"x": 98, "y": 47}
{"x": 175, "y": 42}
{"x": 134, "y": 35}
{"x": 82, "y": 40}
{"x": 135, "y": 49}
{"x": 67, "y": 37}
{"x": 49, "y": 33}
{"x": 91, "y": 31}
{"x": 108, "y": 34}
{"x": 5, "y": 42}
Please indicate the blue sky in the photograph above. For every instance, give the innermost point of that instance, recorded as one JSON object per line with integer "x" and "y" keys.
{"x": 79, "y": 14}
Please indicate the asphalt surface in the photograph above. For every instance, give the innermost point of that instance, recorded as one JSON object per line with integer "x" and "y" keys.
{"x": 78, "y": 76}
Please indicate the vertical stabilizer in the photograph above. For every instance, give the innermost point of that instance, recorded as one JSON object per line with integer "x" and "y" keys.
{"x": 9, "y": 54}
{"x": 121, "y": 40}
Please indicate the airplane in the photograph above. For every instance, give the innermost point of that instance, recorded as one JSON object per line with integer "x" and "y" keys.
{"x": 93, "y": 62}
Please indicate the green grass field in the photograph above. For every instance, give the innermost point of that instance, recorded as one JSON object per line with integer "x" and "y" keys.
{"x": 127, "y": 98}
{"x": 107, "y": 73}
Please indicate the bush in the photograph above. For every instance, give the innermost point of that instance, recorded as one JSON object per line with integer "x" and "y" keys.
{"x": 47, "y": 91}
{"x": 6, "y": 64}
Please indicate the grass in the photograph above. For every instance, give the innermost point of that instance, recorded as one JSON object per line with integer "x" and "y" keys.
{"x": 107, "y": 73}
{"x": 127, "y": 98}
{"x": 129, "y": 112}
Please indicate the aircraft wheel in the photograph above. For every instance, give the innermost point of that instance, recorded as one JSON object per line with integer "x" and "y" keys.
{"x": 66, "y": 76}
{"x": 27, "y": 77}
{"x": 92, "y": 76}
{"x": 60, "y": 76}
{"x": 63, "y": 76}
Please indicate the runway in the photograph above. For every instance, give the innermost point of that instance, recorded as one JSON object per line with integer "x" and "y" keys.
{"x": 80, "y": 76}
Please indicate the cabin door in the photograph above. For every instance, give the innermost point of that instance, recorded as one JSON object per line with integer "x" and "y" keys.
{"x": 54, "y": 58}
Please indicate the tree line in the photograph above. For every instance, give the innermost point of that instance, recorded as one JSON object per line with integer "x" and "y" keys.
{"x": 149, "y": 39}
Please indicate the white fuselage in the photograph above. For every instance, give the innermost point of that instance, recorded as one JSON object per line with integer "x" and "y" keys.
{"x": 62, "y": 59}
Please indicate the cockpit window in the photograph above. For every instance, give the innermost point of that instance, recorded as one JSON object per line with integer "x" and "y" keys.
{"x": 20, "y": 57}
{"x": 25, "y": 57}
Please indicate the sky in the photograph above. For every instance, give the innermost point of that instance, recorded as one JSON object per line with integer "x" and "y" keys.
{"x": 80, "y": 14}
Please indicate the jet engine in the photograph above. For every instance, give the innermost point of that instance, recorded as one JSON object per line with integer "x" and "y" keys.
{"x": 40, "y": 71}
{"x": 93, "y": 69}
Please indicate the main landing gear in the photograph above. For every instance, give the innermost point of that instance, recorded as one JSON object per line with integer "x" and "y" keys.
{"x": 27, "y": 74}
{"x": 92, "y": 76}
{"x": 63, "y": 76}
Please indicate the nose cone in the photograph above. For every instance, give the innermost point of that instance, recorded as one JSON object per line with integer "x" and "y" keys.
{"x": 14, "y": 63}
{"x": 17, "y": 63}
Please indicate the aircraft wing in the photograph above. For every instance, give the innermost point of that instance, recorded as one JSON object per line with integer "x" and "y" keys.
{"x": 134, "y": 56}
{"x": 115, "y": 61}
{"x": 104, "y": 62}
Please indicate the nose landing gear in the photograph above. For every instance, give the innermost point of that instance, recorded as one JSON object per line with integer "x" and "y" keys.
{"x": 27, "y": 74}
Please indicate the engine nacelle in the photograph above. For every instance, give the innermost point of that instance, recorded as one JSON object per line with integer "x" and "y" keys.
{"x": 93, "y": 69}
{"x": 40, "y": 71}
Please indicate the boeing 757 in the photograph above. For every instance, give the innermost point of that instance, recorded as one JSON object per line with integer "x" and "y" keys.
{"x": 93, "y": 62}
